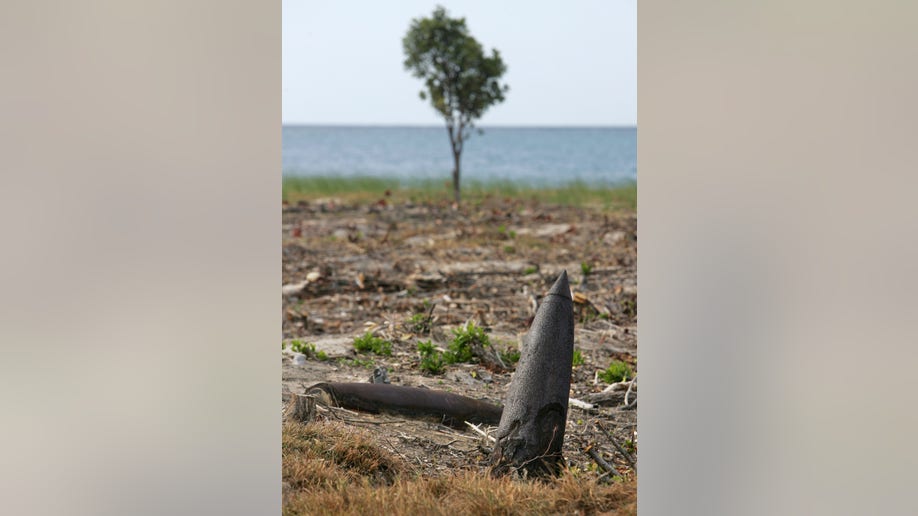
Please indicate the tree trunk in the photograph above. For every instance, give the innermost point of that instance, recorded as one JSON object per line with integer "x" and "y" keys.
{"x": 456, "y": 158}
{"x": 531, "y": 432}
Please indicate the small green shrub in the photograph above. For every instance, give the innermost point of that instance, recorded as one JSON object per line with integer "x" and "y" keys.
{"x": 586, "y": 268}
{"x": 530, "y": 270}
{"x": 371, "y": 343}
{"x": 308, "y": 349}
{"x": 617, "y": 371}
{"x": 460, "y": 349}
{"x": 629, "y": 446}
{"x": 431, "y": 360}
{"x": 419, "y": 323}
{"x": 510, "y": 356}
{"x": 578, "y": 358}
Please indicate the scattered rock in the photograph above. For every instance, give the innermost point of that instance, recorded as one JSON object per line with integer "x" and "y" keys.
{"x": 380, "y": 375}
{"x": 545, "y": 230}
{"x": 613, "y": 237}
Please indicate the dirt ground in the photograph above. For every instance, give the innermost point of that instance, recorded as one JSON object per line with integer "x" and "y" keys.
{"x": 349, "y": 269}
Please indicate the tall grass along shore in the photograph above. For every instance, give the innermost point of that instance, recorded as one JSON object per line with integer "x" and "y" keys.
{"x": 363, "y": 189}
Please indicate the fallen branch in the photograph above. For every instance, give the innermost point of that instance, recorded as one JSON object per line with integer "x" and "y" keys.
{"x": 447, "y": 430}
{"x": 481, "y": 432}
{"x": 605, "y": 398}
{"x": 429, "y": 318}
{"x": 580, "y": 404}
{"x": 608, "y": 468}
{"x": 624, "y": 453}
{"x": 488, "y": 356}
{"x": 611, "y": 395}
{"x": 630, "y": 385}
{"x": 294, "y": 288}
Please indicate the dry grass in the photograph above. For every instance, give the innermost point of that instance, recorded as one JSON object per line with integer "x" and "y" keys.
{"x": 329, "y": 468}
{"x": 327, "y": 455}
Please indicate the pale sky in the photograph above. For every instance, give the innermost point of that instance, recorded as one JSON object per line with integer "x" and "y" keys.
{"x": 568, "y": 63}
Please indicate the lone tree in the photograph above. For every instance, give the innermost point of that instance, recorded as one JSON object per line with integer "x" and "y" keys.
{"x": 462, "y": 82}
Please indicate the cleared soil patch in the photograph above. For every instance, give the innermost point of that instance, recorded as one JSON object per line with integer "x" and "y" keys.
{"x": 411, "y": 272}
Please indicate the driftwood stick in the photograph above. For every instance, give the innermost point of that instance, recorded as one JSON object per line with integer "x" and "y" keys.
{"x": 574, "y": 402}
{"x": 630, "y": 385}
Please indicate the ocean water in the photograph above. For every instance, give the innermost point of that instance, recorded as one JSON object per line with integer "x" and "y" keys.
{"x": 530, "y": 156}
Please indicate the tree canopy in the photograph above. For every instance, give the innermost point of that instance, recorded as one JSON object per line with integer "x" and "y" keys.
{"x": 461, "y": 81}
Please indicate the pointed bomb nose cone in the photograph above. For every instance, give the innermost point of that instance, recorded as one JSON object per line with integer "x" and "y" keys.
{"x": 553, "y": 324}
{"x": 561, "y": 287}
{"x": 531, "y": 431}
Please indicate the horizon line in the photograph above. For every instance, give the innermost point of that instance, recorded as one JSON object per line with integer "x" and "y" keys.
{"x": 483, "y": 126}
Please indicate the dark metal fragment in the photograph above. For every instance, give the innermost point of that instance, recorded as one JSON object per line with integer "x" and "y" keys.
{"x": 452, "y": 408}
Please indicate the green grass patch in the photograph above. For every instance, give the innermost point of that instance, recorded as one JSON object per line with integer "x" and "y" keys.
{"x": 578, "y": 358}
{"x": 371, "y": 189}
{"x": 299, "y": 346}
{"x": 432, "y": 360}
{"x": 308, "y": 349}
{"x": 464, "y": 338}
{"x": 296, "y": 188}
{"x": 370, "y": 343}
{"x": 419, "y": 323}
{"x": 617, "y": 371}
{"x": 622, "y": 196}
